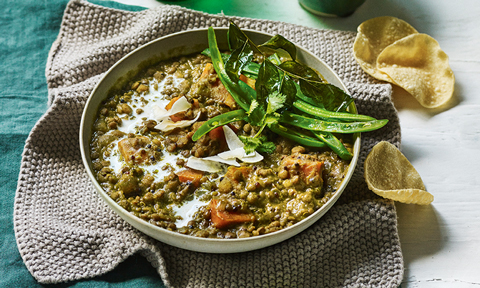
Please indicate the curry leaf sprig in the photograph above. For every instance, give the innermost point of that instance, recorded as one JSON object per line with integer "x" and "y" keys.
{"x": 286, "y": 93}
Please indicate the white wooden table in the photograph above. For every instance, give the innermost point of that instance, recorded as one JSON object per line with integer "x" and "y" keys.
{"x": 440, "y": 242}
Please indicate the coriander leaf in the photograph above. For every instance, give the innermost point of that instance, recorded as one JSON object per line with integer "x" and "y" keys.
{"x": 253, "y": 106}
{"x": 275, "y": 101}
{"x": 259, "y": 144}
{"x": 251, "y": 143}
{"x": 267, "y": 147}
{"x": 271, "y": 119}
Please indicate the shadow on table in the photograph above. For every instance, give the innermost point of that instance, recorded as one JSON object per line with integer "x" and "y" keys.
{"x": 404, "y": 101}
{"x": 421, "y": 231}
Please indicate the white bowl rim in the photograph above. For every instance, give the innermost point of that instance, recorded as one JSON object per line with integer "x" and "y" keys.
{"x": 215, "y": 245}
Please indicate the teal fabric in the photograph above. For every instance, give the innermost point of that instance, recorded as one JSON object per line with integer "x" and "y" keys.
{"x": 29, "y": 28}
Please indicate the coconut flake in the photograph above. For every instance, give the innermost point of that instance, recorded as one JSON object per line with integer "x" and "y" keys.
{"x": 168, "y": 125}
{"x": 257, "y": 157}
{"x": 162, "y": 114}
{"x": 204, "y": 165}
{"x": 233, "y": 141}
{"x": 158, "y": 113}
{"x": 180, "y": 105}
{"x": 216, "y": 158}
{"x": 237, "y": 150}
{"x": 213, "y": 164}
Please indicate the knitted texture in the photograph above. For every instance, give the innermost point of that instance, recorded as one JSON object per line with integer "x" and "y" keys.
{"x": 66, "y": 232}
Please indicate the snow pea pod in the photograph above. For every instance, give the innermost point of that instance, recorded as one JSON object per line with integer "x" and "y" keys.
{"x": 296, "y": 136}
{"x": 220, "y": 120}
{"x": 334, "y": 144}
{"x": 334, "y": 127}
{"x": 325, "y": 114}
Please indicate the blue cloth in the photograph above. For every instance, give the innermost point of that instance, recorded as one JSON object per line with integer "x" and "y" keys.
{"x": 28, "y": 30}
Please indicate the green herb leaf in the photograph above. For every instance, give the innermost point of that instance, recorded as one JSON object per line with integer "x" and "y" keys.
{"x": 251, "y": 143}
{"x": 288, "y": 88}
{"x": 238, "y": 60}
{"x": 267, "y": 82}
{"x": 259, "y": 144}
{"x": 300, "y": 70}
{"x": 267, "y": 147}
{"x": 332, "y": 97}
{"x": 253, "y": 106}
{"x": 311, "y": 85}
{"x": 275, "y": 102}
{"x": 236, "y": 38}
{"x": 279, "y": 42}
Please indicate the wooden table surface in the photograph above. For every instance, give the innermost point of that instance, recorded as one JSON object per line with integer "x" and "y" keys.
{"x": 440, "y": 242}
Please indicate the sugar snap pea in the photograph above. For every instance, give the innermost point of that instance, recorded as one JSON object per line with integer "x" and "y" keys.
{"x": 296, "y": 136}
{"x": 219, "y": 120}
{"x": 327, "y": 126}
{"x": 336, "y": 145}
{"x": 325, "y": 114}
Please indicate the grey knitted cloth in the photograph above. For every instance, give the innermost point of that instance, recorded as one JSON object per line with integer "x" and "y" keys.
{"x": 66, "y": 232}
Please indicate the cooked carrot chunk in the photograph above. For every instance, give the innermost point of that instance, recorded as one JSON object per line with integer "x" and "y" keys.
{"x": 249, "y": 81}
{"x": 222, "y": 218}
{"x": 308, "y": 167}
{"x": 217, "y": 134}
{"x": 170, "y": 104}
{"x": 190, "y": 176}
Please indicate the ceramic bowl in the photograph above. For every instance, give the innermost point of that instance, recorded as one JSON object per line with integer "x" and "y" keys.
{"x": 331, "y": 8}
{"x": 178, "y": 44}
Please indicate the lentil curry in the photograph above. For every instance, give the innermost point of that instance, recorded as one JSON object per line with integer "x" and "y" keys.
{"x": 145, "y": 169}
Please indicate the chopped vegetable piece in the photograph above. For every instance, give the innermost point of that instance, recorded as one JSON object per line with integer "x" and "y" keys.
{"x": 249, "y": 81}
{"x": 170, "y": 104}
{"x": 311, "y": 169}
{"x": 133, "y": 149}
{"x": 218, "y": 135}
{"x": 190, "y": 176}
{"x": 222, "y": 218}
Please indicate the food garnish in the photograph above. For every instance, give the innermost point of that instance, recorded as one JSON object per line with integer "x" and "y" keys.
{"x": 287, "y": 95}
{"x": 389, "y": 174}
{"x": 391, "y": 50}
{"x": 237, "y": 151}
{"x": 164, "y": 115}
